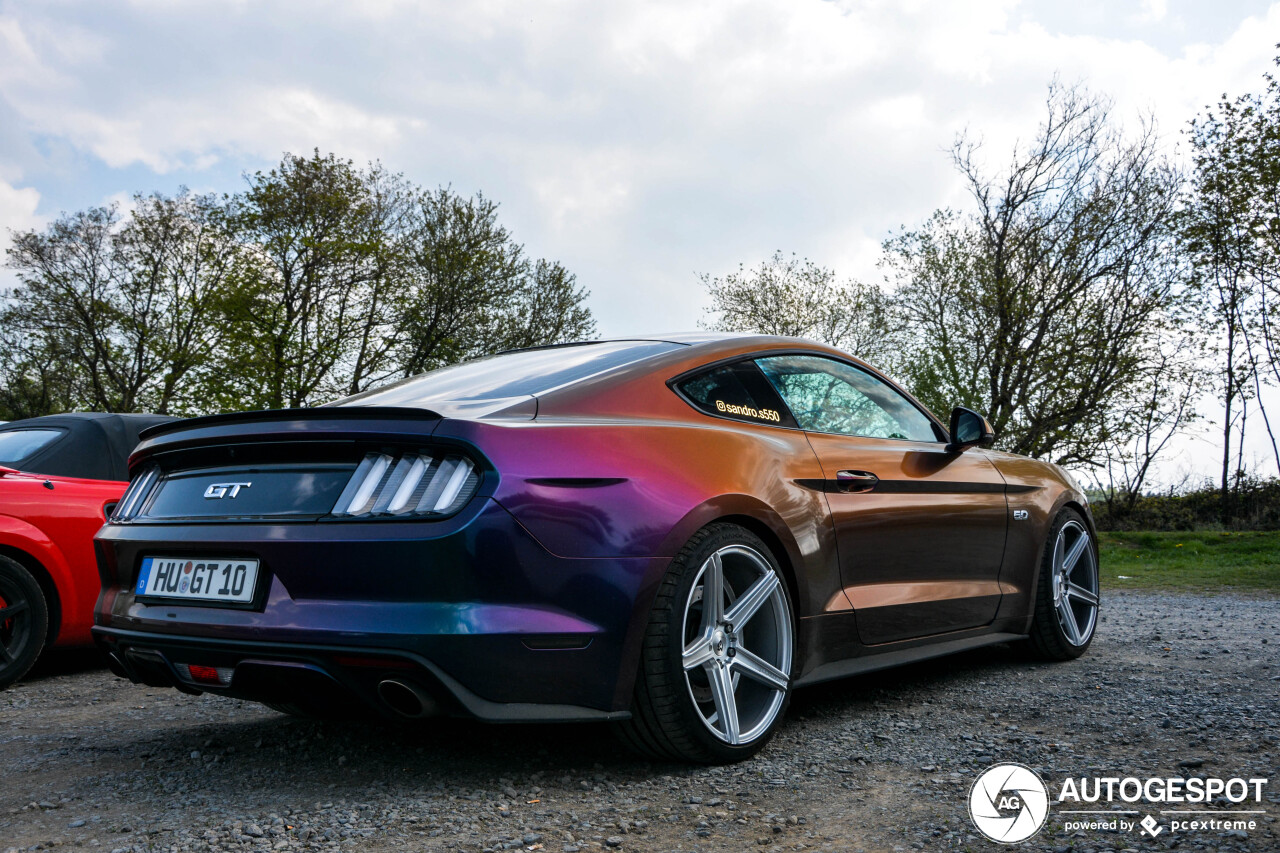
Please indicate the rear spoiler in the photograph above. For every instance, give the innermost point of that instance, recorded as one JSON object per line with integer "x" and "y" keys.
{"x": 316, "y": 414}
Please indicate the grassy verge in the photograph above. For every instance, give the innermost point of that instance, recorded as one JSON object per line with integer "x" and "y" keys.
{"x": 1206, "y": 561}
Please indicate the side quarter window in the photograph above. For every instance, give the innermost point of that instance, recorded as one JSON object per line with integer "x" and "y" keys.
{"x": 825, "y": 395}
{"x": 737, "y": 391}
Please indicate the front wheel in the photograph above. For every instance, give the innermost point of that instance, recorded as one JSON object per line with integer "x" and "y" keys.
{"x": 24, "y": 621}
{"x": 715, "y": 667}
{"x": 1067, "y": 595}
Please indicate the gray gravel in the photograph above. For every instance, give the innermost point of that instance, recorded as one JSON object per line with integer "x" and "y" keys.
{"x": 880, "y": 762}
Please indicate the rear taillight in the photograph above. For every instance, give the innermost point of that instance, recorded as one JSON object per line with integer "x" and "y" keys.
{"x": 408, "y": 484}
{"x": 134, "y": 497}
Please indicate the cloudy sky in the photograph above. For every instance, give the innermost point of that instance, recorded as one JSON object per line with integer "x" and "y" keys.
{"x": 639, "y": 143}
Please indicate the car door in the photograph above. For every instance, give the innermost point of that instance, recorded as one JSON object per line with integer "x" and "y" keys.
{"x": 920, "y": 530}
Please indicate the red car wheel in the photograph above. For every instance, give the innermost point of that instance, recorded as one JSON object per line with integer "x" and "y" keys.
{"x": 24, "y": 621}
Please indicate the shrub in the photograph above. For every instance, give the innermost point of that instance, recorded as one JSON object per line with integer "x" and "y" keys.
{"x": 1254, "y": 504}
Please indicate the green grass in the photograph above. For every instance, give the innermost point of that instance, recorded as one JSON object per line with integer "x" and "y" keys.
{"x": 1207, "y": 561}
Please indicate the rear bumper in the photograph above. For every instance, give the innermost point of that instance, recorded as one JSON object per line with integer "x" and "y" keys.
{"x": 473, "y": 610}
{"x": 336, "y": 676}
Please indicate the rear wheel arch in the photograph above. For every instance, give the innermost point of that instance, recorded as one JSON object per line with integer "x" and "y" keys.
{"x": 757, "y": 517}
{"x": 50, "y": 590}
{"x": 778, "y": 549}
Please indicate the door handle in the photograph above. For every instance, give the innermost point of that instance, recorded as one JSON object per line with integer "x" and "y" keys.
{"x": 856, "y": 481}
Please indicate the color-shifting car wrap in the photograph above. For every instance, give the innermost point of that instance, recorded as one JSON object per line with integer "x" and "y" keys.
{"x": 519, "y": 537}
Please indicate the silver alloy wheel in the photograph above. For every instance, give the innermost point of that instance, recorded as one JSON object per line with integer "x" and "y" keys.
{"x": 1075, "y": 583}
{"x": 738, "y": 640}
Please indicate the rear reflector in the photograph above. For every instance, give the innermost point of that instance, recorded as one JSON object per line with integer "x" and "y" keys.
{"x": 410, "y": 484}
{"x": 218, "y": 676}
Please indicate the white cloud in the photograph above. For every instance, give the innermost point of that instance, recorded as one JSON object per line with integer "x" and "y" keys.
{"x": 18, "y": 207}
{"x": 636, "y": 141}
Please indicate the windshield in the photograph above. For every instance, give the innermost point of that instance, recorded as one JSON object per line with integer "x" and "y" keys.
{"x": 509, "y": 375}
{"x": 18, "y": 444}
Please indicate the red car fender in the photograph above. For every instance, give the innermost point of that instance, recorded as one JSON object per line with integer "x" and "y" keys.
{"x": 18, "y": 535}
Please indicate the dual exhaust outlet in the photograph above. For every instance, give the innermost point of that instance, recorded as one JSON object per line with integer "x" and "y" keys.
{"x": 407, "y": 699}
{"x": 403, "y": 697}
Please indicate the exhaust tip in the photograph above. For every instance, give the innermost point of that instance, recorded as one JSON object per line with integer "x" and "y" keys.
{"x": 407, "y": 699}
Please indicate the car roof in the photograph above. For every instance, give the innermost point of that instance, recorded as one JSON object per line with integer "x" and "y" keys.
{"x": 509, "y": 384}
{"x": 94, "y": 445}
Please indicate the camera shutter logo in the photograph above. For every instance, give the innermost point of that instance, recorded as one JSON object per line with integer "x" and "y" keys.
{"x": 1009, "y": 803}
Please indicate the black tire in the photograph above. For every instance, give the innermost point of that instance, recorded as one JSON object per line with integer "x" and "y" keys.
{"x": 1051, "y": 636}
{"x": 668, "y": 723}
{"x": 24, "y": 621}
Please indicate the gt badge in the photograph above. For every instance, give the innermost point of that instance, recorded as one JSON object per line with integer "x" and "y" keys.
{"x": 224, "y": 490}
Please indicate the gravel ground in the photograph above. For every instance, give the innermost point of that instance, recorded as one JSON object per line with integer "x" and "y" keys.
{"x": 879, "y": 762}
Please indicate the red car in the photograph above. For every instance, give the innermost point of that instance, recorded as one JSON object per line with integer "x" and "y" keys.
{"x": 58, "y": 477}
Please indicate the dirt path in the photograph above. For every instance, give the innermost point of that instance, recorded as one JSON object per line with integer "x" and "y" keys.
{"x": 881, "y": 762}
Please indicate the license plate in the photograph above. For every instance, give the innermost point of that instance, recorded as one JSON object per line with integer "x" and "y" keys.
{"x": 231, "y": 581}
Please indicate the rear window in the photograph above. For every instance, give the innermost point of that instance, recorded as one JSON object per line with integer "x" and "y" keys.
{"x": 737, "y": 391}
{"x": 514, "y": 374}
{"x": 18, "y": 444}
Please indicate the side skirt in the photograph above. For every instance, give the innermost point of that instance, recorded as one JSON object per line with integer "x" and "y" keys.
{"x": 887, "y": 660}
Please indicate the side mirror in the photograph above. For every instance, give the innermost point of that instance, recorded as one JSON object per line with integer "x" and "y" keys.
{"x": 969, "y": 429}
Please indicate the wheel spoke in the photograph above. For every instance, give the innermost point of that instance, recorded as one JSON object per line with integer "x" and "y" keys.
{"x": 726, "y": 705}
{"x": 1073, "y": 556}
{"x": 712, "y": 594}
{"x": 1059, "y": 553}
{"x": 751, "y": 602}
{"x": 1081, "y": 594}
{"x": 12, "y": 610}
{"x": 5, "y": 654}
{"x": 1068, "y": 619}
{"x": 697, "y": 653}
{"x": 753, "y": 666}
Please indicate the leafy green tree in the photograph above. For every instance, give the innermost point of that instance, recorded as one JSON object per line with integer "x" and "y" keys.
{"x": 309, "y": 308}
{"x": 547, "y": 308}
{"x": 320, "y": 279}
{"x": 32, "y": 382}
{"x": 180, "y": 261}
{"x": 112, "y": 313}
{"x": 471, "y": 290}
{"x": 796, "y": 297}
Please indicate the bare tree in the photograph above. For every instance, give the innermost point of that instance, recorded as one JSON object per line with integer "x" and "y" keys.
{"x": 1163, "y": 408}
{"x": 796, "y": 297}
{"x": 1039, "y": 306}
{"x": 1226, "y": 231}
